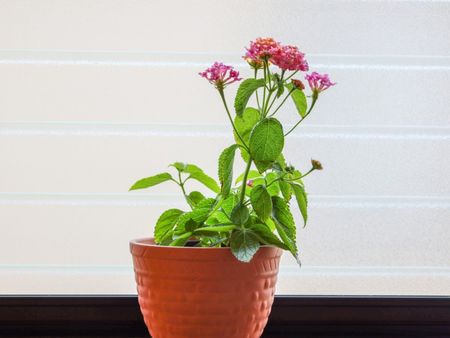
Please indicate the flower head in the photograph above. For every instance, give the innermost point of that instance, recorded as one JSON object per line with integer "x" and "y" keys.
{"x": 318, "y": 82}
{"x": 289, "y": 58}
{"x": 260, "y": 49}
{"x": 250, "y": 183}
{"x": 220, "y": 75}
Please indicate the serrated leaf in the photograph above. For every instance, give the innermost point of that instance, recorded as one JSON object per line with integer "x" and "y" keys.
{"x": 266, "y": 143}
{"x": 239, "y": 214}
{"x": 151, "y": 181}
{"x": 244, "y": 125}
{"x": 244, "y": 244}
{"x": 272, "y": 188}
{"x": 284, "y": 222}
{"x": 195, "y": 197}
{"x": 244, "y": 92}
{"x": 286, "y": 190}
{"x": 206, "y": 180}
{"x": 266, "y": 236}
{"x": 202, "y": 210}
{"x": 299, "y": 98}
{"x": 165, "y": 223}
{"x": 261, "y": 202}
{"x": 302, "y": 200}
{"x": 226, "y": 160}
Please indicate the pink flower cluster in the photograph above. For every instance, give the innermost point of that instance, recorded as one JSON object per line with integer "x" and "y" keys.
{"x": 220, "y": 75}
{"x": 289, "y": 58}
{"x": 259, "y": 49}
{"x": 286, "y": 57}
{"x": 319, "y": 82}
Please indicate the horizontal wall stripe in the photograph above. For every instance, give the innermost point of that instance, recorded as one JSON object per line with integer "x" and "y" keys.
{"x": 284, "y": 269}
{"x": 143, "y": 199}
{"x": 201, "y": 60}
{"x": 210, "y": 130}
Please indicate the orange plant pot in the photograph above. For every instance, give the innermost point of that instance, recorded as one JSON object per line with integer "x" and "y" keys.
{"x": 187, "y": 292}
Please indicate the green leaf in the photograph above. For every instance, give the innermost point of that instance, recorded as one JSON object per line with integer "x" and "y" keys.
{"x": 239, "y": 214}
{"x": 195, "y": 197}
{"x": 272, "y": 188}
{"x": 266, "y": 236}
{"x": 299, "y": 98}
{"x": 181, "y": 240}
{"x": 266, "y": 143}
{"x": 244, "y": 244}
{"x": 206, "y": 180}
{"x": 202, "y": 210}
{"x": 245, "y": 91}
{"x": 244, "y": 125}
{"x": 261, "y": 202}
{"x": 251, "y": 174}
{"x": 286, "y": 190}
{"x": 284, "y": 222}
{"x": 226, "y": 160}
{"x": 214, "y": 229}
{"x": 302, "y": 200}
{"x": 166, "y": 223}
{"x": 186, "y": 167}
{"x": 151, "y": 181}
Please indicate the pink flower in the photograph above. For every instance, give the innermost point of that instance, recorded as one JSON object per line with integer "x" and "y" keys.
{"x": 289, "y": 58}
{"x": 259, "y": 49}
{"x": 250, "y": 183}
{"x": 318, "y": 82}
{"x": 220, "y": 75}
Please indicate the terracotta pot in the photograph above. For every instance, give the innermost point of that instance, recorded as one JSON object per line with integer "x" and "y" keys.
{"x": 203, "y": 292}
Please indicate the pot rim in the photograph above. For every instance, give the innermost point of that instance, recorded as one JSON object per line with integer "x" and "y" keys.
{"x": 140, "y": 242}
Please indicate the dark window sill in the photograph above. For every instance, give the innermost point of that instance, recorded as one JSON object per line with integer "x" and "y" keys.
{"x": 292, "y": 316}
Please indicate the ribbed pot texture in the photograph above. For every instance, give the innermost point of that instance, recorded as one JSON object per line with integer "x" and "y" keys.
{"x": 187, "y": 292}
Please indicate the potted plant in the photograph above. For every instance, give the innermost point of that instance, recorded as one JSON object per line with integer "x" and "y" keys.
{"x": 211, "y": 271}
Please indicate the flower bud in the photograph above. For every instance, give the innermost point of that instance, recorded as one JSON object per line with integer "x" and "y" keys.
{"x": 250, "y": 183}
{"x": 316, "y": 165}
{"x": 298, "y": 84}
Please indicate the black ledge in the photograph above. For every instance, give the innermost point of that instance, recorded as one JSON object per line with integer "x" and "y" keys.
{"x": 292, "y": 316}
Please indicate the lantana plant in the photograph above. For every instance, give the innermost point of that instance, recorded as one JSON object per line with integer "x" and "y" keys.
{"x": 256, "y": 209}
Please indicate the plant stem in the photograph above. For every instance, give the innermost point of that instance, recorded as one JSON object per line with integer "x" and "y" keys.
{"x": 181, "y": 184}
{"x": 222, "y": 95}
{"x": 290, "y": 179}
{"x": 302, "y": 176}
{"x": 304, "y": 117}
{"x": 291, "y": 75}
{"x": 282, "y": 102}
{"x": 244, "y": 180}
{"x": 256, "y": 92}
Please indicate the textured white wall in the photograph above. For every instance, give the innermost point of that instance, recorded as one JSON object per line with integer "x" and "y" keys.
{"x": 95, "y": 94}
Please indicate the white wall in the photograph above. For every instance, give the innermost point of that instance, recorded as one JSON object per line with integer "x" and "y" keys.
{"x": 95, "y": 94}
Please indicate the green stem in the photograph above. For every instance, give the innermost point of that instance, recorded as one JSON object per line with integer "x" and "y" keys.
{"x": 304, "y": 117}
{"x": 244, "y": 180}
{"x": 181, "y": 184}
{"x": 256, "y": 92}
{"x": 267, "y": 103}
{"x": 282, "y": 102}
{"x": 222, "y": 95}
{"x": 290, "y": 179}
{"x": 291, "y": 75}
{"x": 302, "y": 176}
